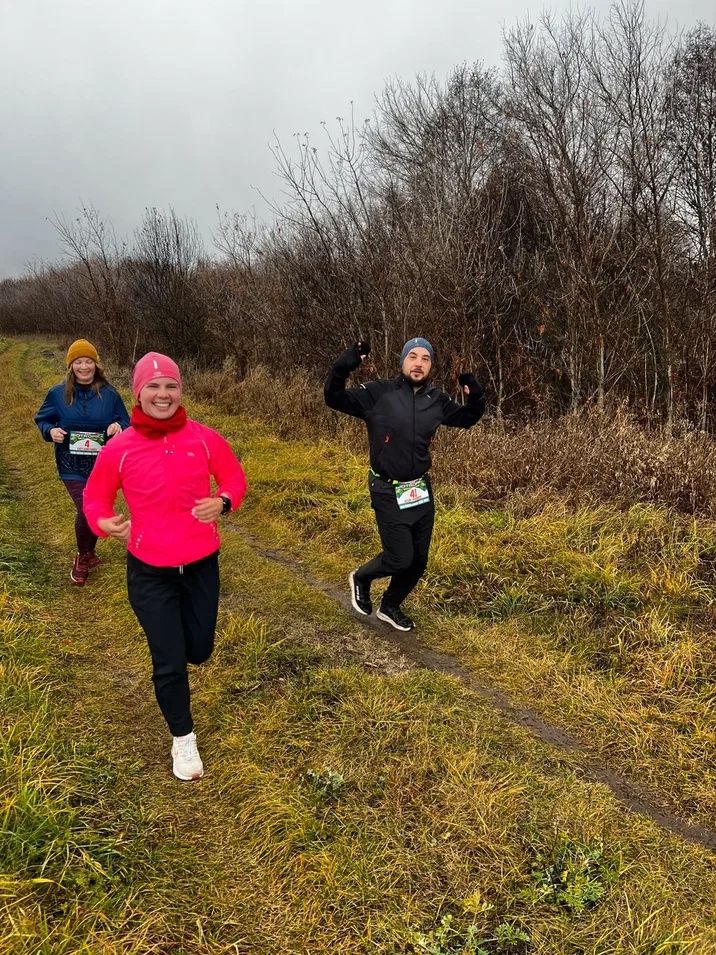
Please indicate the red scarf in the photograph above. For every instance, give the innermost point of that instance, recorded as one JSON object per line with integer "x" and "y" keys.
{"x": 157, "y": 427}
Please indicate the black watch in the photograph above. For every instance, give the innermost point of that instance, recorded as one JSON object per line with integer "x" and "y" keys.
{"x": 227, "y": 504}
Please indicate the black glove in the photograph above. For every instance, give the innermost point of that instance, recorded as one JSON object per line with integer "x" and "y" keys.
{"x": 352, "y": 358}
{"x": 467, "y": 378}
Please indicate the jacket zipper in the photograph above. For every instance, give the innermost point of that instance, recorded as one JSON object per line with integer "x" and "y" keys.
{"x": 412, "y": 446}
{"x": 170, "y": 450}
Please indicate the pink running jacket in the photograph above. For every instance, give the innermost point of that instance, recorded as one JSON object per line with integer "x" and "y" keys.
{"x": 161, "y": 479}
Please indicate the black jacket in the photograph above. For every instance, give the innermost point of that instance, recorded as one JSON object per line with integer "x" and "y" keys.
{"x": 401, "y": 421}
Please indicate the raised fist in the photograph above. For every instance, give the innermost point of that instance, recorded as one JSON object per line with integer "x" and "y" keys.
{"x": 354, "y": 356}
{"x": 470, "y": 384}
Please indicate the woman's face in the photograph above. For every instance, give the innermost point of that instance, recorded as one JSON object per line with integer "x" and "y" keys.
{"x": 83, "y": 370}
{"x": 160, "y": 397}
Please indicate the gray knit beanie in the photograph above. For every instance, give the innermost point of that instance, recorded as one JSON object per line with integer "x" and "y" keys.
{"x": 417, "y": 343}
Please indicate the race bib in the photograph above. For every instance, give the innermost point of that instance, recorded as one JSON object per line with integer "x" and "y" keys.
{"x": 412, "y": 493}
{"x": 86, "y": 442}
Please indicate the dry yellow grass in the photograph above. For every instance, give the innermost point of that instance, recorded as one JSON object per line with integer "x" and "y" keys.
{"x": 601, "y": 618}
{"x": 343, "y": 811}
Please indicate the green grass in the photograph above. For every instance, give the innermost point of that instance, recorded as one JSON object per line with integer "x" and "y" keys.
{"x": 69, "y": 872}
{"x": 343, "y": 810}
{"x": 600, "y": 618}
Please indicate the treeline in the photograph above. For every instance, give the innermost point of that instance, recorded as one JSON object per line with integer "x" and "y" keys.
{"x": 551, "y": 223}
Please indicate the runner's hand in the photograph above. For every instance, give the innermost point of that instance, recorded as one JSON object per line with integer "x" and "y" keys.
{"x": 114, "y": 428}
{"x": 470, "y": 384}
{"x": 117, "y": 526}
{"x": 208, "y": 509}
{"x": 58, "y": 435}
{"x": 353, "y": 357}
{"x": 363, "y": 349}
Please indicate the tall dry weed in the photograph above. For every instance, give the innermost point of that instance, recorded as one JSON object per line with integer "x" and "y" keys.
{"x": 585, "y": 457}
{"x": 293, "y": 404}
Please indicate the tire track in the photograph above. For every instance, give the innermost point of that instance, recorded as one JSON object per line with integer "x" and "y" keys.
{"x": 626, "y": 791}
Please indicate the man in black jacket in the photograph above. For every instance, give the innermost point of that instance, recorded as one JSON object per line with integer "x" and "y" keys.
{"x": 402, "y": 415}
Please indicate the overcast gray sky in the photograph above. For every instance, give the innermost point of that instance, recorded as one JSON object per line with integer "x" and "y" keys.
{"x": 135, "y": 103}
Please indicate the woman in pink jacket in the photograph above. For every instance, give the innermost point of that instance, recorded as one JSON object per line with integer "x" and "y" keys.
{"x": 164, "y": 464}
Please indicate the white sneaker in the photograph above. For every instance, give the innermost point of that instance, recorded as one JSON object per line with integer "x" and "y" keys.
{"x": 187, "y": 762}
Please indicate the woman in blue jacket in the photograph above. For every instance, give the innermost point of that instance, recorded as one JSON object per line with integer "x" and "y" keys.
{"x": 80, "y": 415}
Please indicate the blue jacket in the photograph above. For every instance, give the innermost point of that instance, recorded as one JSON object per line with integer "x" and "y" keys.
{"x": 88, "y": 412}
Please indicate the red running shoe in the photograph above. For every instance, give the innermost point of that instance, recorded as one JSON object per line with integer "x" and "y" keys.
{"x": 80, "y": 570}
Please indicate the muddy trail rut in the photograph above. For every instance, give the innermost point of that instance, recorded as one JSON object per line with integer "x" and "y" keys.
{"x": 633, "y": 796}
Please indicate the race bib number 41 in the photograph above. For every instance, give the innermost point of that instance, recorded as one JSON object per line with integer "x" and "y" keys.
{"x": 86, "y": 442}
{"x": 412, "y": 493}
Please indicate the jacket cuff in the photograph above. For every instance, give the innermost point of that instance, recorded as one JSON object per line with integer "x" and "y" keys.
{"x": 95, "y": 528}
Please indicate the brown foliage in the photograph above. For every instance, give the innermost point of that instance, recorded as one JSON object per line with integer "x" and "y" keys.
{"x": 586, "y": 457}
{"x": 550, "y": 225}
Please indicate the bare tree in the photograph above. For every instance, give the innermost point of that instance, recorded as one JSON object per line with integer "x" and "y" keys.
{"x": 693, "y": 129}
{"x": 630, "y": 74}
{"x": 91, "y": 244}
{"x": 166, "y": 257}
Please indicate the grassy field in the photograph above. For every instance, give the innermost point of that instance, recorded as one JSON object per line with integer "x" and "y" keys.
{"x": 353, "y": 802}
{"x": 601, "y": 618}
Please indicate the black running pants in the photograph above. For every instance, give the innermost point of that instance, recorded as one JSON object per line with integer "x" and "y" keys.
{"x": 405, "y": 536}
{"x": 177, "y": 608}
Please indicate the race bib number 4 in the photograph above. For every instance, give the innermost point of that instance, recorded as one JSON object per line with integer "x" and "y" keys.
{"x": 412, "y": 493}
{"x": 86, "y": 442}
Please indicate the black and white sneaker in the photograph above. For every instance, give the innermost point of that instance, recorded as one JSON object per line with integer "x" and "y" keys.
{"x": 395, "y": 617}
{"x": 360, "y": 595}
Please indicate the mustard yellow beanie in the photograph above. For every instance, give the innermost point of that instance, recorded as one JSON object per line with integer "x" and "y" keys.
{"x": 81, "y": 349}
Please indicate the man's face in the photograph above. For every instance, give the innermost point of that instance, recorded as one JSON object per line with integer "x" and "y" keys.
{"x": 417, "y": 365}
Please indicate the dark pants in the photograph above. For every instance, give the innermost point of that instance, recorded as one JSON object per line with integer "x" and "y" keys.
{"x": 405, "y": 536}
{"x": 177, "y": 609}
{"x": 86, "y": 540}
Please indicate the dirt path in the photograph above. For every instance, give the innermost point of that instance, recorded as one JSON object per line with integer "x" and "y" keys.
{"x": 417, "y": 653}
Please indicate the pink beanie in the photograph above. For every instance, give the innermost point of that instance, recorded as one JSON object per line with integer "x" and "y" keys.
{"x": 153, "y": 365}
